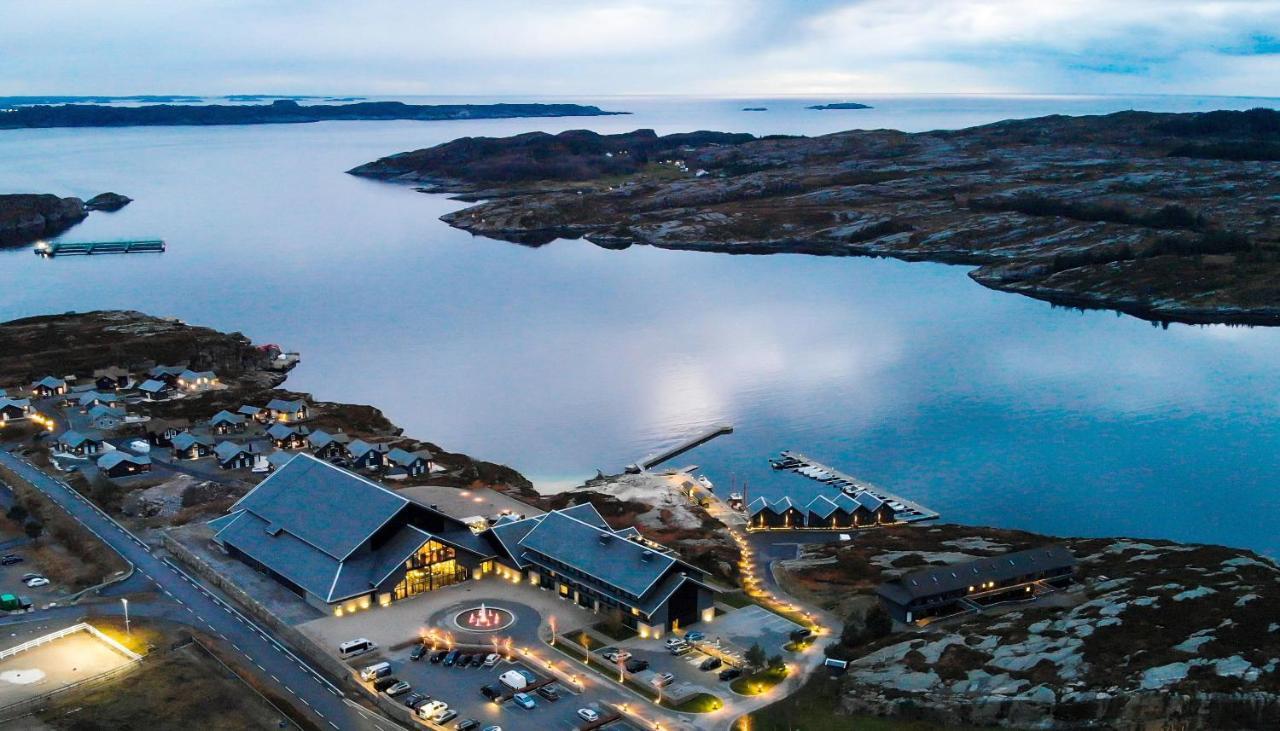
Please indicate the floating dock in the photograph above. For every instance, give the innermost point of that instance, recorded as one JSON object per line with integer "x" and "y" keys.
{"x": 92, "y": 248}
{"x": 911, "y": 512}
{"x": 697, "y": 440}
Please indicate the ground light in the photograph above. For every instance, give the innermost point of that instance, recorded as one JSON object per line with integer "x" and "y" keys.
{"x": 125, "y": 602}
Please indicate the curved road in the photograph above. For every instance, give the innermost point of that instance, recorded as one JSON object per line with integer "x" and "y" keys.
{"x": 275, "y": 663}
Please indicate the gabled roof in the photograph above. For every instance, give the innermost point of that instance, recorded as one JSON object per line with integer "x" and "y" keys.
{"x": 599, "y": 553}
{"x": 89, "y": 397}
{"x": 50, "y": 382}
{"x": 281, "y": 431}
{"x": 320, "y": 438}
{"x": 186, "y": 440}
{"x": 405, "y": 458}
{"x": 111, "y": 459}
{"x": 587, "y": 513}
{"x": 327, "y": 507}
{"x": 165, "y": 370}
{"x": 189, "y": 375}
{"x": 226, "y": 417}
{"x": 20, "y": 403}
{"x": 247, "y": 410}
{"x": 959, "y": 576}
{"x": 288, "y": 407}
{"x": 757, "y": 505}
{"x": 781, "y": 505}
{"x": 846, "y": 503}
{"x": 227, "y": 451}
{"x": 286, "y": 554}
{"x": 509, "y": 534}
{"x": 821, "y": 506}
{"x": 102, "y": 410}
{"x": 151, "y": 385}
{"x": 359, "y": 447}
{"x": 74, "y": 439}
{"x": 868, "y": 501}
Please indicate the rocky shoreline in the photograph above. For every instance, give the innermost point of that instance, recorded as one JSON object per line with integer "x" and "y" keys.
{"x": 27, "y": 217}
{"x": 1168, "y": 217}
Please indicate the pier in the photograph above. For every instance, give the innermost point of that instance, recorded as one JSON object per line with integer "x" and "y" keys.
{"x": 911, "y": 511}
{"x": 697, "y": 440}
{"x": 92, "y": 248}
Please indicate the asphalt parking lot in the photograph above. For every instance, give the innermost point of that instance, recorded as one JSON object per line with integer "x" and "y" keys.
{"x": 460, "y": 688}
{"x": 11, "y": 578}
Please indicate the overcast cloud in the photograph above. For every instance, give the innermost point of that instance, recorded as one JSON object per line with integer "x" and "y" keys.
{"x": 722, "y": 47}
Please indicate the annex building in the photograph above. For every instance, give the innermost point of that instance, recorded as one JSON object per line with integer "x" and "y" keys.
{"x": 343, "y": 542}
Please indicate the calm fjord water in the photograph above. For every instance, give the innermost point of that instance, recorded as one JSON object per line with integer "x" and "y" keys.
{"x": 988, "y": 407}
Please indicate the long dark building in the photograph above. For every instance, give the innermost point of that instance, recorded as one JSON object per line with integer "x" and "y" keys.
{"x": 943, "y": 590}
{"x": 344, "y": 543}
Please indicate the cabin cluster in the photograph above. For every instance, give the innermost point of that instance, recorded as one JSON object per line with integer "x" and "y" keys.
{"x": 841, "y": 511}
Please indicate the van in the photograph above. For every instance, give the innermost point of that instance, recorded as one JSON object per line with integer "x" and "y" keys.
{"x": 375, "y": 671}
{"x": 351, "y": 648}
{"x": 514, "y": 679}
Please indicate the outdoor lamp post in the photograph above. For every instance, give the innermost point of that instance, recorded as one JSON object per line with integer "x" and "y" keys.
{"x": 125, "y": 602}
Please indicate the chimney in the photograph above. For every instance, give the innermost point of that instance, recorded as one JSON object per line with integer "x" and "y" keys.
{"x": 604, "y": 539}
{"x": 646, "y": 555}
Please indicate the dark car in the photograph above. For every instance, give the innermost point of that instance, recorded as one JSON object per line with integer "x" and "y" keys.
{"x": 417, "y": 652}
{"x": 10, "y": 559}
{"x": 451, "y": 658}
{"x": 635, "y": 665}
{"x": 490, "y": 692}
{"x": 477, "y": 660}
{"x": 800, "y": 634}
{"x": 730, "y": 673}
{"x": 438, "y": 656}
{"x": 386, "y": 682}
{"x": 468, "y": 725}
{"x": 446, "y": 717}
{"x": 710, "y": 663}
{"x": 463, "y": 661}
{"x": 549, "y": 692}
{"x": 413, "y": 698}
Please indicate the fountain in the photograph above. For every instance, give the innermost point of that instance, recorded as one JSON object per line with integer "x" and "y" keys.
{"x": 484, "y": 619}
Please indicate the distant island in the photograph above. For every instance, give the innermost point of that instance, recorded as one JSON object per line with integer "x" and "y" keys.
{"x": 27, "y": 217}
{"x": 755, "y": 109}
{"x": 840, "y": 105}
{"x": 282, "y": 111}
{"x": 1169, "y": 217}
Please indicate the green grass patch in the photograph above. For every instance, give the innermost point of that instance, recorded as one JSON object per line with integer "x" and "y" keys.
{"x": 700, "y": 703}
{"x": 760, "y": 682}
{"x": 617, "y": 632}
{"x": 736, "y": 599}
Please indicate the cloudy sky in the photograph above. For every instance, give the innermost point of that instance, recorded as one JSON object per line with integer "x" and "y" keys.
{"x": 588, "y": 47}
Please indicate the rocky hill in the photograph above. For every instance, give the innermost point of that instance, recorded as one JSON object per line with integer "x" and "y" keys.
{"x": 1156, "y": 632}
{"x": 26, "y": 217}
{"x": 1164, "y": 216}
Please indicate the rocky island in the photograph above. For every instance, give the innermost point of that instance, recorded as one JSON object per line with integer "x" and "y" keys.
{"x": 281, "y": 111}
{"x": 27, "y": 217}
{"x": 839, "y": 105}
{"x": 1169, "y": 217}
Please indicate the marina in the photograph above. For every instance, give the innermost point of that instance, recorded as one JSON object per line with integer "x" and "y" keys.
{"x": 92, "y": 248}
{"x": 904, "y": 510}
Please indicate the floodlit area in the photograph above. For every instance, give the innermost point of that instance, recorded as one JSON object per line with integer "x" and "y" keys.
{"x": 54, "y": 664}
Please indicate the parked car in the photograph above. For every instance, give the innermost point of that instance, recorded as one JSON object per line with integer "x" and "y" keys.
{"x": 514, "y": 679}
{"x": 29, "y": 575}
{"x": 375, "y": 671}
{"x": 477, "y": 660}
{"x": 417, "y": 652}
{"x": 730, "y": 673}
{"x": 463, "y": 661}
{"x": 524, "y": 700}
{"x": 413, "y": 699}
{"x": 451, "y": 658}
{"x": 695, "y": 636}
{"x": 662, "y": 680}
{"x": 430, "y": 709}
{"x": 674, "y": 642}
{"x": 10, "y": 559}
{"x": 800, "y": 634}
{"x": 549, "y": 692}
{"x": 469, "y": 724}
{"x": 385, "y": 682}
{"x": 492, "y": 728}
{"x": 492, "y": 659}
{"x": 37, "y": 581}
{"x": 491, "y": 692}
{"x": 616, "y": 656}
{"x": 588, "y": 715}
{"x": 398, "y": 689}
{"x": 683, "y": 649}
{"x": 446, "y": 717}
{"x": 635, "y": 665}
{"x": 437, "y": 656}
{"x": 710, "y": 663}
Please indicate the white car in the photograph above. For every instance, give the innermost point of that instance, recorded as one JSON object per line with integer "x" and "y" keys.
{"x": 673, "y": 642}
{"x": 588, "y": 715}
{"x": 35, "y": 581}
{"x": 616, "y": 656}
{"x": 433, "y": 708}
{"x": 140, "y": 445}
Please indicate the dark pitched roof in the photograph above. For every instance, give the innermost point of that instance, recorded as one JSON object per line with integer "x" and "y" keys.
{"x": 405, "y": 458}
{"x": 153, "y": 386}
{"x": 289, "y": 407}
{"x": 227, "y": 451}
{"x": 320, "y": 438}
{"x": 359, "y": 447}
{"x": 597, "y": 552}
{"x": 247, "y": 410}
{"x": 281, "y": 431}
{"x": 226, "y": 417}
{"x": 508, "y": 536}
{"x": 50, "y": 382}
{"x": 164, "y": 370}
{"x": 960, "y": 576}
{"x": 75, "y": 439}
{"x": 327, "y": 507}
{"x": 186, "y": 440}
{"x": 111, "y": 459}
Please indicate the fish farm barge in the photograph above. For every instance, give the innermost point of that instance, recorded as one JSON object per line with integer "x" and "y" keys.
{"x": 93, "y": 248}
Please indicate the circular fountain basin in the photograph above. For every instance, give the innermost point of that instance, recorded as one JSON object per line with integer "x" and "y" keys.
{"x": 484, "y": 619}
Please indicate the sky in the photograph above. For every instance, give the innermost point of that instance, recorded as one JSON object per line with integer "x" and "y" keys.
{"x": 600, "y": 47}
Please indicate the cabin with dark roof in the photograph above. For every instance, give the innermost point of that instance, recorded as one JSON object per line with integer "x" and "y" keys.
{"x": 13, "y": 409}
{"x": 168, "y": 374}
{"x": 119, "y": 464}
{"x": 367, "y": 456}
{"x": 345, "y": 543}
{"x": 81, "y": 445}
{"x": 154, "y": 389}
{"x": 224, "y": 422}
{"x": 257, "y": 413}
{"x": 970, "y": 586}
{"x": 49, "y": 387}
{"x": 191, "y": 446}
{"x": 232, "y": 456}
{"x": 284, "y": 436}
{"x": 113, "y": 378}
{"x": 287, "y": 411}
{"x": 106, "y": 418}
{"x": 329, "y": 447}
{"x": 414, "y": 464}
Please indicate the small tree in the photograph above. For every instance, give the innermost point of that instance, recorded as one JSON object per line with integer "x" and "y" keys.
{"x": 32, "y": 529}
{"x": 755, "y": 656}
{"x": 879, "y": 623}
{"x": 17, "y": 513}
{"x": 776, "y": 662}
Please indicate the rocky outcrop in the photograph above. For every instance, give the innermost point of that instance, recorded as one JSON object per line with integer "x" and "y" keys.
{"x": 1164, "y": 216}
{"x": 27, "y": 217}
{"x": 107, "y": 202}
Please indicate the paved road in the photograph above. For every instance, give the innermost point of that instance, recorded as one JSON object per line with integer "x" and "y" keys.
{"x": 275, "y": 663}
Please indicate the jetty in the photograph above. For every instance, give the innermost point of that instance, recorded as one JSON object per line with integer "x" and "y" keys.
{"x": 696, "y": 440}
{"x": 907, "y": 511}
{"x": 93, "y": 248}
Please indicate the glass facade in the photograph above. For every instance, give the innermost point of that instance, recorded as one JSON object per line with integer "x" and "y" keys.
{"x": 434, "y": 566}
